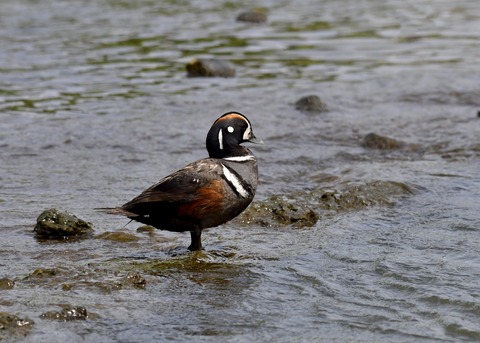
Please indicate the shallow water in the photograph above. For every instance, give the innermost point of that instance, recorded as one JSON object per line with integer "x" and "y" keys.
{"x": 96, "y": 106}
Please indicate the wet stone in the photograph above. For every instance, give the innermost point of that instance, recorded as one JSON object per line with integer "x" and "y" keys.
{"x": 13, "y": 324}
{"x": 311, "y": 103}
{"x": 134, "y": 280}
{"x": 44, "y": 273}
{"x": 53, "y": 223}
{"x": 374, "y": 141}
{"x": 256, "y": 16}
{"x": 68, "y": 313}
{"x": 6, "y": 284}
{"x": 278, "y": 210}
{"x": 121, "y": 237}
{"x": 146, "y": 229}
{"x": 210, "y": 68}
{"x": 302, "y": 208}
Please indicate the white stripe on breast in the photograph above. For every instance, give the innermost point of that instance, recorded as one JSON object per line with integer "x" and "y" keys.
{"x": 235, "y": 182}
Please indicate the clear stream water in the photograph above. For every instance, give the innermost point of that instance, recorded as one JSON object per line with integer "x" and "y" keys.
{"x": 95, "y": 106}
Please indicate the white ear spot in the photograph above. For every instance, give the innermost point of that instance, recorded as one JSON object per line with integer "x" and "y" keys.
{"x": 230, "y": 129}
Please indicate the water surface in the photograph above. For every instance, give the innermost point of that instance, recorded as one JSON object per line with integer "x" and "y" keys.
{"x": 95, "y": 106}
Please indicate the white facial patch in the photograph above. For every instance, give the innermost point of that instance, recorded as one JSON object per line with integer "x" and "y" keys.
{"x": 230, "y": 129}
{"x": 235, "y": 182}
{"x": 247, "y": 133}
{"x": 220, "y": 139}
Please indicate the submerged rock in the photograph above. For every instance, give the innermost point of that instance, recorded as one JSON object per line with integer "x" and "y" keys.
{"x": 68, "y": 313}
{"x": 146, "y": 229}
{"x": 6, "y": 283}
{"x": 203, "y": 67}
{"x": 357, "y": 196}
{"x": 256, "y": 15}
{"x": 53, "y": 223}
{"x": 44, "y": 273}
{"x": 311, "y": 103}
{"x": 14, "y": 325}
{"x": 121, "y": 237}
{"x": 134, "y": 280}
{"x": 374, "y": 141}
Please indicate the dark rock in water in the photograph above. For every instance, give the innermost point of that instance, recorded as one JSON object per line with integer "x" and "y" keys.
{"x": 278, "y": 210}
{"x": 374, "y": 141}
{"x": 6, "y": 283}
{"x": 256, "y": 16}
{"x": 13, "y": 325}
{"x": 302, "y": 208}
{"x": 121, "y": 237}
{"x": 355, "y": 197}
{"x": 44, "y": 273}
{"x": 134, "y": 280}
{"x": 311, "y": 103}
{"x": 68, "y": 313}
{"x": 209, "y": 68}
{"x": 55, "y": 224}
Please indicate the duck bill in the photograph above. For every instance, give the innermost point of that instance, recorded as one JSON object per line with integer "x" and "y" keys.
{"x": 255, "y": 140}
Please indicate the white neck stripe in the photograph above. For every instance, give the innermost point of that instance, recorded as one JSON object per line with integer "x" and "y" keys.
{"x": 240, "y": 158}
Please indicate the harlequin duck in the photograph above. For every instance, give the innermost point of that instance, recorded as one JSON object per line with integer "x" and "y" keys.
{"x": 205, "y": 193}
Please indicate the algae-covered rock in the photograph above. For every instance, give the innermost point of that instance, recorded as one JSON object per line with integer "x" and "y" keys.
{"x": 13, "y": 325}
{"x": 203, "y": 67}
{"x": 6, "y": 283}
{"x": 356, "y": 196}
{"x": 303, "y": 208}
{"x": 146, "y": 229}
{"x": 53, "y": 223}
{"x": 310, "y": 103}
{"x": 375, "y": 141}
{"x": 68, "y": 313}
{"x": 134, "y": 280}
{"x": 256, "y": 16}
{"x": 118, "y": 236}
{"x": 44, "y": 273}
{"x": 278, "y": 210}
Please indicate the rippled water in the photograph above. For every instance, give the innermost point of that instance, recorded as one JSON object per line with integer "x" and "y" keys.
{"x": 95, "y": 106}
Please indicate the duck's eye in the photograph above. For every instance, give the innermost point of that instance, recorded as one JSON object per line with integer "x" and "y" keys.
{"x": 230, "y": 129}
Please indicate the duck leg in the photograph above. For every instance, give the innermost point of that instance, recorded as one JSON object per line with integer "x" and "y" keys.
{"x": 196, "y": 243}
